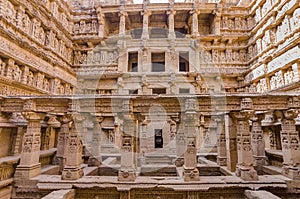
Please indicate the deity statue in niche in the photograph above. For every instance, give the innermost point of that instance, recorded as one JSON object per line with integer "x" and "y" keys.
{"x": 30, "y": 78}
{"x": 2, "y": 67}
{"x": 285, "y": 25}
{"x": 173, "y": 130}
{"x": 16, "y": 73}
{"x": 76, "y": 28}
{"x": 26, "y": 23}
{"x": 289, "y": 76}
{"x": 224, "y": 22}
{"x": 295, "y": 21}
{"x": 10, "y": 13}
{"x": 46, "y": 85}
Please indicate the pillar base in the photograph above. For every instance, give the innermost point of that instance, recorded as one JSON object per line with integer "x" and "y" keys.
{"x": 72, "y": 173}
{"x": 27, "y": 172}
{"x": 126, "y": 175}
{"x": 179, "y": 162}
{"x": 259, "y": 162}
{"x": 291, "y": 172}
{"x": 92, "y": 161}
{"x": 60, "y": 162}
{"x": 246, "y": 173}
{"x": 222, "y": 161}
{"x": 191, "y": 174}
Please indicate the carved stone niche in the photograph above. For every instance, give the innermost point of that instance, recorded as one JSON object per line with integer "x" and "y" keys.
{"x": 247, "y": 104}
{"x": 293, "y": 102}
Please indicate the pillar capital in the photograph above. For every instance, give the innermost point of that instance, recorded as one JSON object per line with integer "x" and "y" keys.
{"x": 290, "y": 114}
{"x": 171, "y": 12}
{"x": 242, "y": 115}
{"x": 123, "y": 13}
{"x": 195, "y": 11}
{"x": 33, "y": 116}
{"x": 146, "y": 13}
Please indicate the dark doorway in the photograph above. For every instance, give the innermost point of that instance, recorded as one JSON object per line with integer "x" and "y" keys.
{"x": 158, "y": 139}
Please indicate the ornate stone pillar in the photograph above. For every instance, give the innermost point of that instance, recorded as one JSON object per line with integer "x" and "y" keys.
{"x": 258, "y": 143}
{"x": 127, "y": 171}
{"x": 101, "y": 22}
{"x": 221, "y": 157}
{"x": 244, "y": 168}
{"x": 122, "y": 27}
{"x": 63, "y": 136}
{"x": 146, "y": 14}
{"x": 20, "y": 13}
{"x": 171, "y": 22}
{"x": 231, "y": 147}
{"x": 95, "y": 158}
{"x": 30, "y": 166}
{"x": 190, "y": 122}
{"x": 17, "y": 141}
{"x": 195, "y": 25}
{"x": 290, "y": 144}
{"x": 217, "y": 23}
{"x": 73, "y": 150}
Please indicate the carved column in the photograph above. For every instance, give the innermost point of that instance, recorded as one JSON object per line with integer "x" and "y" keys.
{"x": 101, "y": 22}
{"x": 73, "y": 150}
{"x": 195, "y": 25}
{"x": 221, "y": 158}
{"x": 30, "y": 166}
{"x": 190, "y": 122}
{"x": 244, "y": 167}
{"x": 146, "y": 14}
{"x": 290, "y": 145}
{"x": 171, "y": 14}
{"x": 95, "y": 158}
{"x": 63, "y": 136}
{"x": 231, "y": 147}
{"x": 20, "y": 13}
{"x": 128, "y": 169}
{"x": 258, "y": 143}
{"x": 17, "y": 141}
{"x": 122, "y": 27}
{"x": 217, "y": 23}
